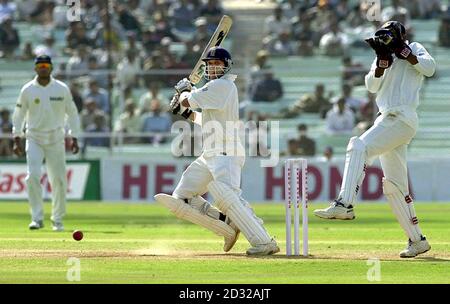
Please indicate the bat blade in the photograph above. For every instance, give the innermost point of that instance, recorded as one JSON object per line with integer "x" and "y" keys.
{"x": 216, "y": 40}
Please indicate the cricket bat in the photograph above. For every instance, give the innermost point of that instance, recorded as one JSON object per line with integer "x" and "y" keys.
{"x": 216, "y": 40}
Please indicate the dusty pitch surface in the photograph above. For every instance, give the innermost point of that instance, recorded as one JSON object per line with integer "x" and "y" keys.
{"x": 126, "y": 243}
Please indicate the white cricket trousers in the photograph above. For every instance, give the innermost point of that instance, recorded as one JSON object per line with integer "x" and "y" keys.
{"x": 388, "y": 138}
{"x": 55, "y": 160}
{"x": 222, "y": 168}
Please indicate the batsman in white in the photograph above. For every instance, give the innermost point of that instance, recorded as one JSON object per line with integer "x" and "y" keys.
{"x": 43, "y": 104}
{"x": 397, "y": 81}
{"x": 218, "y": 169}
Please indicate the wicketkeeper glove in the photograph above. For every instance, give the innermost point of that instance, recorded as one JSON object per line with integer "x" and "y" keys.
{"x": 394, "y": 43}
{"x": 384, "y": 54}
{"x": 184, "y": 85}
{"x": 177, "y": 109}
{"x": 401, "y": 50}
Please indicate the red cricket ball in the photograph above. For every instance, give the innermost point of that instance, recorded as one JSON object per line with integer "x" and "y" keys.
{"x": 77, "y": 235}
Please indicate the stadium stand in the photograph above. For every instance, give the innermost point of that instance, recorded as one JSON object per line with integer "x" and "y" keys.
{"x": 298, "y": 76}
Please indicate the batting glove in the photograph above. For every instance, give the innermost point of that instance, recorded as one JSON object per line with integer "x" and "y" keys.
{"x": 177, "y": 109}
{"x": 184, "y": 85}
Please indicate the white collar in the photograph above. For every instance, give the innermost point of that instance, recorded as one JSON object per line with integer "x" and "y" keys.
{"x": 36, "y": 83}
{"x": 231, "y": 77}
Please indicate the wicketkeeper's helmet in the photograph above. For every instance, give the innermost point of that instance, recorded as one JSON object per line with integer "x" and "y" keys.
{"x": 391, "y": 30}
{"x": 217, "y": 53}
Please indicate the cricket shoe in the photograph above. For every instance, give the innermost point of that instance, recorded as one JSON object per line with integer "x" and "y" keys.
{"x": 337, "y": 210}
{"x": 415, "y": 248}
{"x": 34, "y": 225}
{"x": 264, "y": 249}
{"x": 231, "y": 240}
{"x": 57, "y": 226}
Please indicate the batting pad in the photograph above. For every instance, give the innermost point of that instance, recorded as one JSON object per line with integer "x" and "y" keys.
{"x": 184, "y": 211}
{"x": 403, "y": 208}
{"x": 354, "y": 170}
{"x": 243, "y": 217}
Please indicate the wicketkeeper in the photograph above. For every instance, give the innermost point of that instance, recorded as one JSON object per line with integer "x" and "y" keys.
{"x": 396, "y": 76}
{"x": 218, "y": 169}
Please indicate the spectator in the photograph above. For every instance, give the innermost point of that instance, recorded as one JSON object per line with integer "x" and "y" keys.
{"x": 323, "y": 15}
{"x": 429, "y": 9}
{"x": 306, "y": 146}
{"x": 201, "y": 30}
{"x": 181, "y": 14}
{"x": 47, "y": 47}
{"x": 290, "y": 8}
{"x": 335, "y": 42}
{"x": 282, "y": 46}
{"x": 342, "y": 9}
{"x": 258, "y": 68}
{"x": 353, "y": 72}
{"x": 128, "y": 21}
{"x": 88, "y": 112}
{"x": 128, "y": 70}
{"x": 444, "y": 31}
{"x": 95, "y": 72}
{"x": 305, "y": 48}
{"x": 327, "y": 155}
{"x": 153, "y": 63}
{"x": 100, "y": 96}
{"x": 97, "y": 127}
{"x": 5, "y": 129}
{"x": 369, "y": 109}
{"x": 129, "y": 122}
{"x": 357, "y": 16}
{"x": 9, "y": 38}
{"x": 27, "y": 52}
{"x": 76, "y": 35}
{"x": 353, "y": 103}
{"x": 192, "y": 53}
{"x": 77, "y": 65}
{"x": 77, "y": 99}
{"x": 43, "y": 13}
{"x": 303, "y": 31}
{"x": 292, "y": 148}
{"x": 310, "y": 103}
{"x": 7, "y": 9}
{"x": 276, "y": 23}
{"x": 153, "y": 93}
{"x": 396, "y": 9}
{"x": 340, "y": 120}
{"x": 156, "y": 121}
{"x": 213, "y": 12}
{"x": 114, "y": 35}
{"x": 267, "y": 89}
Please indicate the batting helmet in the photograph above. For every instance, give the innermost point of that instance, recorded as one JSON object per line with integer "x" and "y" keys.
{"x": 217, "y": 53}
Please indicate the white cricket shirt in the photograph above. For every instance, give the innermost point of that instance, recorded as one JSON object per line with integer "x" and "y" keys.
{"x": 398, "y": 89}
{"x": 44, "y": 110}
{"x": 221, "y": 127}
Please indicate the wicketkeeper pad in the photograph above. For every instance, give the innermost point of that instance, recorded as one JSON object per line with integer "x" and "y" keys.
{"x": 403, "y": 208}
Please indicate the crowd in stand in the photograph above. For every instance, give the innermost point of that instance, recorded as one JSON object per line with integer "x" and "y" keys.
{"x": 138, "y": 35}
{"x": 331, "y": 28}
{"x": 141, "y": 41}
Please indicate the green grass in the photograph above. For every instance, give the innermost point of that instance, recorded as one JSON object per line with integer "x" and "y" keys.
{"x": 144, "y": 243}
